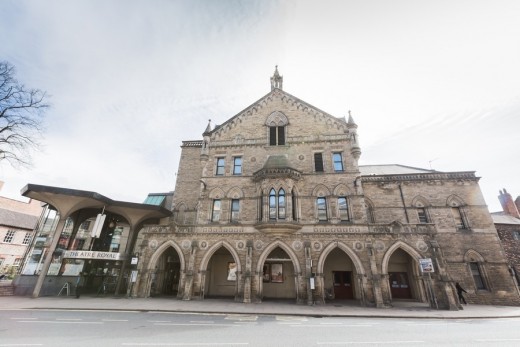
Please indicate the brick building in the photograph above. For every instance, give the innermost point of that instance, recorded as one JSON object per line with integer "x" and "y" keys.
{"x": 17, "y": 221}
{"x": 507, "y": 224}
{"x": 273, "y": 204}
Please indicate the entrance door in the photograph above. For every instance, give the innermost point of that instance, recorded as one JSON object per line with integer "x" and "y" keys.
{"x": 343, "y": 285}
{"x": 399, "y": 285}
{"x": 171, "y": 278}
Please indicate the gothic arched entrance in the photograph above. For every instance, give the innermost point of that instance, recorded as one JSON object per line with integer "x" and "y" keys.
{"x": 339, "y": 276}
{"x": 221, "y": 276}
{"x": 278, "y": 276}
{"x": 166, "y": 276}
{"x": 401, "y": 275}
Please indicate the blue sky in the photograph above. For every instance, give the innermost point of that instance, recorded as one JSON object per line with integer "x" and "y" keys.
{"x": 428, "y": 82}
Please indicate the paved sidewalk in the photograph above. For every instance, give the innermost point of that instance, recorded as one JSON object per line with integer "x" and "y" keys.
{"x": 401, "y": 309}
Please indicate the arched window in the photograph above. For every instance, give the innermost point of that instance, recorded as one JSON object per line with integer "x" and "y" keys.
{"x": 276, "y": 204}
{"x": 343, "y": 209}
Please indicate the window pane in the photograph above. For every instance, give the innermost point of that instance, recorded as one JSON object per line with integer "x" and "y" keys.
{"x": 457, "y": 216}
{"x": 235, "y": 208}
{"x": 281, "y": 204}
{"x": 272, "y": 136}
{"x": 322, "y": 209}
{"x": 343, "y": 209}
{"x": 318, "y": 162}
{"x": 215, "y": 217}
{"x": 338, "y": 162}
{"x": 237, "y": 166}
{"x": 281, "y": 136}
{"x": 421, "y": 213}
{"x": 220, "y": 166}
{"x": 477, "y": 277}
{"x": 272, "y": 204}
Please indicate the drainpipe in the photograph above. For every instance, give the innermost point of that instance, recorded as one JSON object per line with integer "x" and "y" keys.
{"x": 404, "y": 205}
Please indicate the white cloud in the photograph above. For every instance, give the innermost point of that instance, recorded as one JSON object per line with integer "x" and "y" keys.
{"x": 130, "y": 80}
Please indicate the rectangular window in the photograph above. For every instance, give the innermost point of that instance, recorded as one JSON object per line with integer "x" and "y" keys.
{"x": 343, "y": 209}
{"x": 338, "y": 162}
{"x": 27, "y": 239}
{"x": 516, "y": 235}
{"x": 318, "y": 162}
{"x": 477, "y": 276}
{"x": 421, "y": 213}
{"x": 215, "y": 214}
{"x": 277, "y": 136}
{"x": 8, "y": 238}
{"x": 237, "y": 165}
{"x": 17, "y": 262}
{"x": 322, "y": 209}
{"x": 235, "y": 209}
{"x": 457, "y": 217}
{"x": 220, "y": 166}
{"x": 1, "y": 261}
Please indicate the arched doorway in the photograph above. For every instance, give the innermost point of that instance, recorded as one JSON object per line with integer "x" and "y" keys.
{"x": 166, "y": 276}
{"x": 401, "y": 276}
{"x": 278, "y": 276}
{"x": 221, "y": 275}
{"x": 339, "y": 276}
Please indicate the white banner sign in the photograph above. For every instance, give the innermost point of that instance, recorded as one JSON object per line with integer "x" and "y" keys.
{"x": 426, "y": 265}
{"x": 92, "y": 255}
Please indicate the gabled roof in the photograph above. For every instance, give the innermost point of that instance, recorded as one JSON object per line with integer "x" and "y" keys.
{"x": 284, "y": 95}
{"x": 501, "y": 218}
{"x": 17, "y": 220}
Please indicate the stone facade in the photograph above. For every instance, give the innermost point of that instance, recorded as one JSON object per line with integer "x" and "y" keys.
{"x": 272, "y": 204}
{"x": 507, "y": 224}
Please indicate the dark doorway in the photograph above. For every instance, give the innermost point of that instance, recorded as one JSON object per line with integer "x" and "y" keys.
{"x": 399, "y": 285}
{"x": 343, "y": 285}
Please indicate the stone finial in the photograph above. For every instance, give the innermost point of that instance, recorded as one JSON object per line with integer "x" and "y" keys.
{"x": 208, "y": 128}
{"x": 276, "y": 80}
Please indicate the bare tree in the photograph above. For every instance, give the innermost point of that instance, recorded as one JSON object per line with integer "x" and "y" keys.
{"x": 21, "y": 114}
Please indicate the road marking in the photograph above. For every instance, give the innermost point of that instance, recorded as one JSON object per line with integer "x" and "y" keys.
{"x": 291, "y": 318}
{"x": 496, "y": 340}
{"x": 330, "y": 325}
{"x": 188, "y": 344}
{"x": 22, "y": 318}
{"x": 67, "y": 319}
{"x": 159, "y": 321}
{"x": 202, "y": 321}
{"x": 242, "y": 317}
{"x": 58, "y": 322}
{"x": 196, "y": 324}
{"x": 22, "y": 344}
{"x": 115, "y": 320}
{"x": 366, "y": 342}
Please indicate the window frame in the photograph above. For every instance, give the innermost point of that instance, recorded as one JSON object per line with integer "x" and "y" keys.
{"x": 277, "y": 135}
{"x": 338, "y": 162}
{"x": 220, "y": 166}
{"x": 235, "y": 213}
{"x": 27, "y": 238}
{"x": 316, "y": 166}
{"x": 345, "y": 210}
{"x": 318, "y": 209}
{"x": 9, "y": 236}
{"x": 458, "y": 218}
{"x": 237, "y": 166}
{"x": 422, "y": 215}
{"x": 216, "y": 213}
{"x": 477, "y": 275}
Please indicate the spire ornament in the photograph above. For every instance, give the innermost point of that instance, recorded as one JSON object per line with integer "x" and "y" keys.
{"x": 276, "y": 80}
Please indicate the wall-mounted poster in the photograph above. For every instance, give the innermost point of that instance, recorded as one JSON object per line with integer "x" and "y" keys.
{"x": 276, "y": 273}
{"x": 232, "y": 272}
{"x": 267, "y": 273}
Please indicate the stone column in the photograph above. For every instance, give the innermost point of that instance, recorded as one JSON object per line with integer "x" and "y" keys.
{"x": 48, "y": 259}
{"x": 188, "y": 284}
{"x": 308, "y": 272}
{"x": 248, "y": 272}
{"x": 443, "y": 285}
{"x": 376, "y": 277}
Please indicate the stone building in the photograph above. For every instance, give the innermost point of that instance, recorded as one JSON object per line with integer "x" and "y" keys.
{"x": 507, "y": 224}
{"x": 272, "y": 204}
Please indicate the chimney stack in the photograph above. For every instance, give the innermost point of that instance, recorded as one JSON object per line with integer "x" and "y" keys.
{"x": 508, "y": 205}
